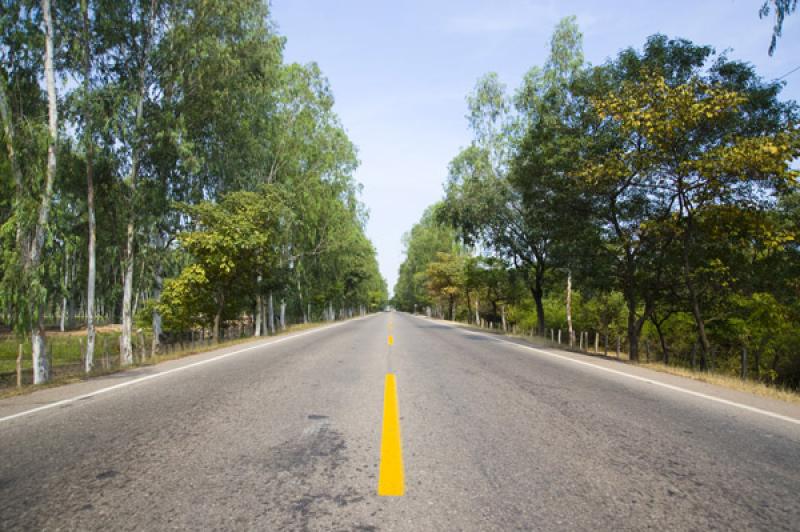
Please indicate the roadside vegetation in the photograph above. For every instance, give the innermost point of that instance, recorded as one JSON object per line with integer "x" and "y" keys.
{"x": 648, "y": 205}
{"x": 163, "y": 169}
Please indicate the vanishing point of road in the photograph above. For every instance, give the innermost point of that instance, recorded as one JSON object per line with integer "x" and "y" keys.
{"x": 467, "y": 431}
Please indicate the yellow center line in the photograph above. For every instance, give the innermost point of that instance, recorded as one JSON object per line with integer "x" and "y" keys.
{"x": 390, "y": 474}
{"x": 391, "y": 340}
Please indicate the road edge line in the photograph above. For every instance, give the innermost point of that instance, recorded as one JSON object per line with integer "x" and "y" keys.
{"x": 672, "y": 387}
{"x": 270, "y": 342}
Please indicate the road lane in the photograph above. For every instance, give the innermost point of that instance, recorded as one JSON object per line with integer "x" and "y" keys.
{"x": 493, "y": 438}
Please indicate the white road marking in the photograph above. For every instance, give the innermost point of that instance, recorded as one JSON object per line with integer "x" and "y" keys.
{"x": 264, "y": 345}
{"x": 637, "y": 377}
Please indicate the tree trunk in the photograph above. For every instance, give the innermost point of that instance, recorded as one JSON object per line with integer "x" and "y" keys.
{"x": 92, "y": 273}
{"x": 271, "y": 314}
{"x": 259, "y": 306}
{"x": 217, "y": 320}
{"x": 663, "y": 341}
{"x": 156, "y": 318}
{"x": 477, "y": 311}
{"x": 634, "y": 328}
{"x": 41, "y": 369}
{"x": 125, "y": 340}
{"x": 538, "y": 297}
{"x": 64, "y": 300}
{"x": 283, "y": 314}
{"x": 569, "y": 310}
{"x": 694, "y": 299}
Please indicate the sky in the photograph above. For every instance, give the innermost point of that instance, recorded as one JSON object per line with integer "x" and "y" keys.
{"x": 401, "y": 71}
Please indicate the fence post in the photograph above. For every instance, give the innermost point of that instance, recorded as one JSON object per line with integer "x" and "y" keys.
{"x": 618, "y": 340}
{"x": 559, "y": 337}
{"x": 596, "y": 341}
{"x": 19, "y": 367}
{"x": 744, "y": 363}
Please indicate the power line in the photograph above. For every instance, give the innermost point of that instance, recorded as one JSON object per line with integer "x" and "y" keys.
{"x": 792, "y": 71}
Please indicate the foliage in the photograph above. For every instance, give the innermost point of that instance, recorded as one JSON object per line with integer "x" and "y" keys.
{"x": 663, "y": 180}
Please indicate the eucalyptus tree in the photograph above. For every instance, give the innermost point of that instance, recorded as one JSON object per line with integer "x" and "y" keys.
{"x": 29, "y": 37}
{"x": 509, "y": 191}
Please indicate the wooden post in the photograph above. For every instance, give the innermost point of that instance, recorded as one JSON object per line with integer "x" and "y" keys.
{"x": 559, "y": 337}
{"x": 596, "y": 342}
{"x": 605, "y": 344}
{"x": 618, "y": 341}
{"x": 552, "y": 336}
{"x": 19, "y": 367}
{"x": 744, "y": 364}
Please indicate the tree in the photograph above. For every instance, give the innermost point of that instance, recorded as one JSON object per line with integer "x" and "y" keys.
{"x": 510, "y": 191}
{"x": 782, "y": 8}
{"x": 233, "y": 240}
{"x": 445, "y": 279}
{"x": 686, "y": 147}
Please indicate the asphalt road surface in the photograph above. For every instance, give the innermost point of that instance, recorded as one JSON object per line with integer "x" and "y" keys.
{"x": 286, "y": 434}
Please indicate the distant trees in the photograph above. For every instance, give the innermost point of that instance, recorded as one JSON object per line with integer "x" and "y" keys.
{"x": 198, "y": 174}
{"x": 661, "y": 179}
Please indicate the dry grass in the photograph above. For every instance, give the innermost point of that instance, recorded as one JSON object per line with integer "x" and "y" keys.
{"x": 734, "y": 383}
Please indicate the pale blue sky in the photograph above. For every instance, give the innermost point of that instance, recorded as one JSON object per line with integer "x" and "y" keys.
{"x": 401, "y": 70}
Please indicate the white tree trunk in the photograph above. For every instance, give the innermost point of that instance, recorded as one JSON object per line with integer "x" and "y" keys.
{"x": 283, "y": 314}
{"x": 125, "y": 339}
{"x": 41, "y": 367}
{"x": 41, "y": 370}
{"x": 259, "y": 306}
{"x": 477, "y": 311}
{"x": 63, "y": 313}
{"x": 569, "y": 309}
{"x": 92, "y": 275}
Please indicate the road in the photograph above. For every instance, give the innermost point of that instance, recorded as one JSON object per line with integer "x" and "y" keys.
{"x": 286, "y": 435}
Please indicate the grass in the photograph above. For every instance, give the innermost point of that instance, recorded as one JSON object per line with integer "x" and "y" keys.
{"x": 727, "y": 381}
{"x": 64, "y": 348}
{"x": 67, "y": 357}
